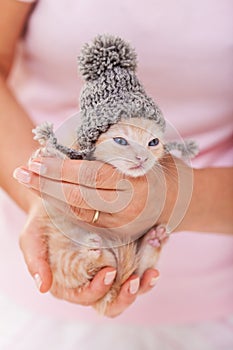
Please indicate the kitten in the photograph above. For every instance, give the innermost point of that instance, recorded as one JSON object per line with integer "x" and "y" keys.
{"x": 133, "y": 146}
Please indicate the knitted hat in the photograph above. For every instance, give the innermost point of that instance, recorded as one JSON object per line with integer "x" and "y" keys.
{"x": 111, "y": 91}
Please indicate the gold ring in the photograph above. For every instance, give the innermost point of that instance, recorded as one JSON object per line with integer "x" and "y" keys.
{"x": 96, "y": 216}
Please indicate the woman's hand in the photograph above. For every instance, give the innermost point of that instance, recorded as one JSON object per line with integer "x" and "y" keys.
{"x": 34, "y": 248}
{"x": 127, "y": 206}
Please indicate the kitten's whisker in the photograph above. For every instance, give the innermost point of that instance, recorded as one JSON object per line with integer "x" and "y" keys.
{"x": 161, "y": 171}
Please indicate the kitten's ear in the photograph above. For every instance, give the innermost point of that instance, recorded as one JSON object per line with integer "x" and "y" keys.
{"x": 188, "y": 149}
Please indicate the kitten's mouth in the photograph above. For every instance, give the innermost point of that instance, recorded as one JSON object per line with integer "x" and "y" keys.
{"x": 138, "y": 166}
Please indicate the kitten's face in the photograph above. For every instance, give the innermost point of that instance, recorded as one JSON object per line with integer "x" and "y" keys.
{"x": 133, "y": 146}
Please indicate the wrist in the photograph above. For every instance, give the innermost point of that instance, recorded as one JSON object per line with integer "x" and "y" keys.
{"x": 210, "y": 208}
{"x": 194, "y": 207}
{"x": 172, "y": 187}
{"x": 180, "y": 186}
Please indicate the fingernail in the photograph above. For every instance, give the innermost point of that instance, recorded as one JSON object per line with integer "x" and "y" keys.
{"x": 37, "y": 280}
{"x": 22, "y": 175}
{"x": 37, "y": 167}
{"x": 153, "y": 281}
{"x": 134, "y": 285}
{"x": 109, "y": 277}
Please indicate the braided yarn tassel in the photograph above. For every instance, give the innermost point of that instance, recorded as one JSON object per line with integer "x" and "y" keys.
{"x": 188, "y": 149}
{"x": 44, "y": 134}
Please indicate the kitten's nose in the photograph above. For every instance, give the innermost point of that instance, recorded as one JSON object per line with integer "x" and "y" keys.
{"x": 141, "y": 158}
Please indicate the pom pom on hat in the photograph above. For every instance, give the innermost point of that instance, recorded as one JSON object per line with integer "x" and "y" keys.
{"x": 103, "y": 54}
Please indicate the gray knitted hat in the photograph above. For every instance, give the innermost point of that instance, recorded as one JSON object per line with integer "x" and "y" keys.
{"x": 111, "y": 91}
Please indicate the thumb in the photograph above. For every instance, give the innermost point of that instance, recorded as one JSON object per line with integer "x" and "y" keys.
{"x": 34, "y": 247}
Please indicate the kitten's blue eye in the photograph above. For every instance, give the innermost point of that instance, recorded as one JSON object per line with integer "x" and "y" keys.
{"x": 120, "y": 141}
{"x": 153, "y": 142}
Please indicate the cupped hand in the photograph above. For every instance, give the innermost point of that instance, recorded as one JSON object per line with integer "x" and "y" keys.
{"x": 125, "y": 204}
{"x": 34, "y": 247}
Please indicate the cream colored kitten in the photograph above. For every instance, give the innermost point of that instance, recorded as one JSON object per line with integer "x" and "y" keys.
{"x": 133, "y": 146}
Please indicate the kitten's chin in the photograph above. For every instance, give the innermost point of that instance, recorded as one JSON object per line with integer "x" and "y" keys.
{"x": 135, "y": 172}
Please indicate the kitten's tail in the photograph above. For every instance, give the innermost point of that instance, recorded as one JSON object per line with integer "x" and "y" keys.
{"x": 44, "y": 134}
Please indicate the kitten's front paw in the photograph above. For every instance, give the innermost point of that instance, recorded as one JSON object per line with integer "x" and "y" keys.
{"x": 94, "y": 244}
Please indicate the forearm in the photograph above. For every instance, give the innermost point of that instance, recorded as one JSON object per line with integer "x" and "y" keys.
{"x": 16, "y": 144}
{"x": 211, "y": 205}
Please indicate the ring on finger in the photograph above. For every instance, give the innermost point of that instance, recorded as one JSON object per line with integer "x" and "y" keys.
{"x": 96, "y": 216}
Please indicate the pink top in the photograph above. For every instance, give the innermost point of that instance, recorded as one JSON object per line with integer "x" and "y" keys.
{"x": 185, "y": 64}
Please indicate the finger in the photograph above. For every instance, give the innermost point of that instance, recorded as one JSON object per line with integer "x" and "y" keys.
{"x": 77, "y": 215}
{"x": 113, "y": 214}
{"x": 34, "y": 249}
{"x": 90, "y": 293}
{"x": 126, "y": 297}
{"x": 74, "y": 195}
{"x": 95, "y": 174}
{"x": 148, "y": 280}
{"x": 80, "y": 215}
